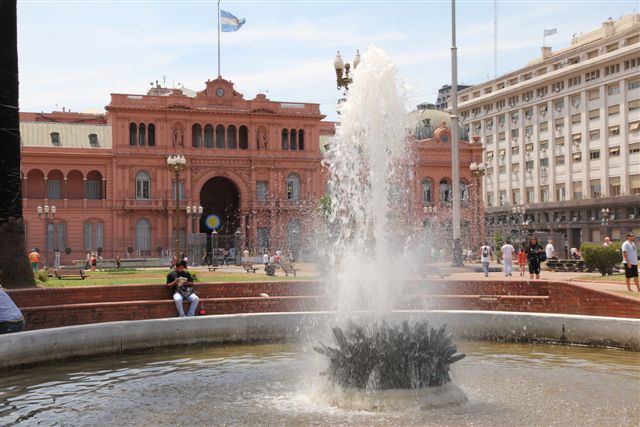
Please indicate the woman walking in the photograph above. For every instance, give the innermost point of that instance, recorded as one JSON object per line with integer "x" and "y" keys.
{"x": 535, "y": 255}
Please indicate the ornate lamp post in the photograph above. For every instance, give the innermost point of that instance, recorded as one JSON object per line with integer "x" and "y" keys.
{"x": 605, "y": 220}
{"x": 194, "y": 212}
{"x": 523, "y": 223}
{"x": 477, "y": 171}
{"x": 343, "y": 70}
{"x": 44, "y": 213}
{"x": 176, "y": 165}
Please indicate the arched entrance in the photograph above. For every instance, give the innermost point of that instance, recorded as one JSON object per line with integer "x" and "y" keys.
{"x": 221, "y": 197}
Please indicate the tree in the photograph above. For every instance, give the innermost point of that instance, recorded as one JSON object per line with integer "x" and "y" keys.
{"x": 15, "y": 271}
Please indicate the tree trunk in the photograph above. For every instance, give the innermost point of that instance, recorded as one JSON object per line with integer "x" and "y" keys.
{"x": 15, "y": 271}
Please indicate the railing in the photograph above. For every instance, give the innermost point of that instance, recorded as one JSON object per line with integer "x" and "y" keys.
{"x": 144, "y": 204}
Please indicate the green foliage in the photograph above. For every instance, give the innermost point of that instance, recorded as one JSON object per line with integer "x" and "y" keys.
{"x": 325, "y": 205}
{"x": 195, "y": 276}
{"x": 43, "y": 275}
{"x": 600, "y": 257}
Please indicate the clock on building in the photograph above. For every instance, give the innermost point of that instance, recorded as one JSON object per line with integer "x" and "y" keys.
{"x": 220, "y": 92}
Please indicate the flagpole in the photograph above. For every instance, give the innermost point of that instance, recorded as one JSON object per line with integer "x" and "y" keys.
{"x": 219, "y": 75}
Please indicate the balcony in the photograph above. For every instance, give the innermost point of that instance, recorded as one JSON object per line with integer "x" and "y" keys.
{"x": 144, "y": 204}
{"x": 65, "y": 203}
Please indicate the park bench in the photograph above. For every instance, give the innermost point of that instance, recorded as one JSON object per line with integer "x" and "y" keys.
{"x": 213, "y": 267}
{"x": 249, "y": 268}
{"x": 69, "y": 274}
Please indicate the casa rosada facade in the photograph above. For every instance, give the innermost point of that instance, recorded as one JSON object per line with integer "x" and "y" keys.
{"x": 254, "y": 166}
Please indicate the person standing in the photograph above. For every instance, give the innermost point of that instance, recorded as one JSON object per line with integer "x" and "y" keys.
{"x": 485, "y": 258}
{"x": 11, "y": 319}
{"x": 534, "y": 253}
{"x": 94, "y": 261}
{"x": 180, "y": 282}
{"x": 507, "y": 251}
{"x": 549, "y": 250}
{"x": 607, "y": 241}
{"x": 630, "y": 261}
{"x": 118, "y": 261}
{"x": 34, "y": 259}
{"x": 522, "y": 261}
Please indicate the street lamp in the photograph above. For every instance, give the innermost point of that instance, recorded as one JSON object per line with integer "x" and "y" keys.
{"x": 343, "y": 70}
{"x": 176, "y": 165}
{"x": 237, "y": 244}
{"x": 214, "y": 246}
{"x": 44, "y": 213}
{"x": 194, "y": 212}
{"x": 519, "y": 213}
{"x": 477, "y": 171}
{"x": 605, "y": 220}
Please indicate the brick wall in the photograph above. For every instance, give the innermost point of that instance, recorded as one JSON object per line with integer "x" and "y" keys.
{"x": 53, "y": 307}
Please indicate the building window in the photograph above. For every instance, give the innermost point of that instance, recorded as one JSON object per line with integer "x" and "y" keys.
{"x": 634, "y": 181}
{"x": 99, "y": 235}
{"x": 88, "y": 236}
{"x": 559, "y": 124}
{"x": 594, "y": 135}
{"x": 613, "y": 89}
{"x": 445, "y": 191}
{"x": 594, "y": 114}
{"x": 133, "y": 134}
{"x": 262, "y": 191}
{"x": 220, "y": 136}
{"x": 544, "y": 162}
{"x": 614, "y": 186}
{"x": 595, "y": 188}
{"x": 515, "y": 150}
{"x": 293, "y": 140}
{"x": 180, "y": 190}
{"x": 93, "y": 189}
{"x": 55, "y": 139}
{"x": 515, "y": 196}
{"x": 196, "y": 136}
{"x": 301, "y": 139}
{"x": 490, "y": 199}
{"x": 208, "y": 136}
{"x": 426, "y": 191}
{"x": 142, "y": 135}
{"x": 561, "y": 193}
{"x": 143, "y": 237}
{"x": 543, "y": 127}
{"x": 464, "y": 192}
{"x": 243, "y": 138}
{"x": 633, "y": 84}
{"x": 444, "y": 137}
{"x": 293, "y": 186}
{"x": 544, "y": 194}
{"x": 503, "y": 201}
{"x": 634, "y": 105}
{"x": 560, "y": 160}
{"x": 592, "y": 75}
{"x": 634, "y": 127}
{"x": 594, "y": 94}
{"x": 575, "y": 119}
{"x": 613, "y": 110}
{"x": 634, "y": 148}
{"x": 152, "y": 135}
{"x": 614, "y": 151}
{"x": 576, "y": 157}
{"x": 285, "y": 139}
{"x": 559, "y": 141}
{"x": 143, "y": 186}
{"x": 529, "y": 165}
{"x": 559, "y": 105}
{"x": 594, "y": 154}
{"x": 53, "y": 189}
{"x": 531, "y": 195}
{"x": 231, "y": 137}
{"x": 263, "y": 238}
{"x": 614, "y": 130}
{"x": 93, "y": 140}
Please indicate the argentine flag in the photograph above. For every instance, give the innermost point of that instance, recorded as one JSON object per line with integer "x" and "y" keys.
{"x": 229, "y": 23}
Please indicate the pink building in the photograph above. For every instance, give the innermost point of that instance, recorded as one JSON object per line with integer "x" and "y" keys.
{"x": 254, "y": 164}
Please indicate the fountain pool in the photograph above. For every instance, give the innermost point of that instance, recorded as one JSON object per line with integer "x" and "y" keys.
{"x": 271, "y": 384}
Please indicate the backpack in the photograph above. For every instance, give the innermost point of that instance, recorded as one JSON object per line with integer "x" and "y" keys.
{"x": 485, "y": 251}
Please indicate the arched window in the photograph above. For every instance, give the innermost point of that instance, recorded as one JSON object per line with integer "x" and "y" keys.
{"x": 208, "y": 136}
{"x": 143, "y": 236}
{"x": 244, "y": 137}
{"x": 293, "y": 186}
{"x": 152, "y": 135}
{"x": 427, "y": 191}
{"x": 143, "y": 185}
{"x": 301, "y": 139}
{"x": 142, "y": 135}
{"x": 464, "y": 192}
{"x": 133, "y": 132}
{"x": 445, "y": 191}
{"x": 93, "y": 186}
{"x": 285, "y": 139}
{"x": 231, "y": 137}
{"x": 219, "y": 136}
{"x": 196, "y": 136}
{"x": 55, "y": 139}
{"x": 293, "y": 143}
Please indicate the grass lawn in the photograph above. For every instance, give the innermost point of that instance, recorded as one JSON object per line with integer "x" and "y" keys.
{"x": 633, "y": 294}
{"x": 616, "y": 278}
{"x": 135, "y": 277}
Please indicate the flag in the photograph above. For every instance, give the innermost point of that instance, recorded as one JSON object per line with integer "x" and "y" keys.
{"x": 550, "y": 32}
{"x": 229, "y": 23}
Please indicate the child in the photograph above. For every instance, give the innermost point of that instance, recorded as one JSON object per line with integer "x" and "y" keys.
{"x": 522, "y": 261}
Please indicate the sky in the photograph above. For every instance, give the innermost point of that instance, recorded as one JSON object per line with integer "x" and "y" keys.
{"x": 74, "y": 54}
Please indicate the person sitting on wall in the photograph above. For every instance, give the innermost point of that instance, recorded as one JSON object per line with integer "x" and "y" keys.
{"x": 11, "y": 319}
{"x": 180, "y": 282}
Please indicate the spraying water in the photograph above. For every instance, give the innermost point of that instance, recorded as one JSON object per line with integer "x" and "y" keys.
{"x": 367, "y": 164}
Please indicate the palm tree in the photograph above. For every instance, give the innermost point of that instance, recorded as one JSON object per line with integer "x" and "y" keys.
{"x": 15, "y": 271}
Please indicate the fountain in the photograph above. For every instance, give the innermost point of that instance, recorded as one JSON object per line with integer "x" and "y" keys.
{"x": 385, "y": 368}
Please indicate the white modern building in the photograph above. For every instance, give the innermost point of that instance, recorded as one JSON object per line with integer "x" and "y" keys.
{"x": 562, "y": 139}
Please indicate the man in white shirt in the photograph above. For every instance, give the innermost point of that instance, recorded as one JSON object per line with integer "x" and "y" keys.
{"x": 630, "y": 261}
{"x": 550, "y": 251}
{"x": 485, "y": 258}
{"x": 507, "y": 251}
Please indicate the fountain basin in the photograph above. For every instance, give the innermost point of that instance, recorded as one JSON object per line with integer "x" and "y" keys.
{"x": 34, "y": 347}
